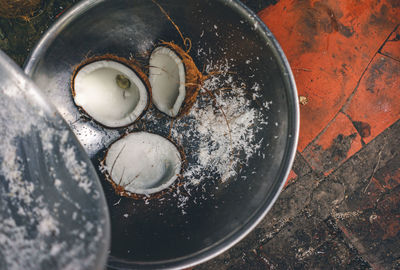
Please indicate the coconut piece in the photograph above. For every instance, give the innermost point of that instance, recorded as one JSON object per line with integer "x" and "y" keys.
{"x": 112, "y": 93}
{"x": 174, "y": 78}
{"x": 142, "y": 163}
{"x": 167, "y": 79}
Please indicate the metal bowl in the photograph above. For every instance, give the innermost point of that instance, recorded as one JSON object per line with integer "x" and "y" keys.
{"x": 152, "y": 234}
{"x": 52, "y": 210}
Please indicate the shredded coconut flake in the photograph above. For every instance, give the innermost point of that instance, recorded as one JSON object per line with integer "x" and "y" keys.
{"x": 219, "y": 135}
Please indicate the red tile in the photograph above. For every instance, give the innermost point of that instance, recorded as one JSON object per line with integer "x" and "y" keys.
{"x": 292, "y": 176}
{"x": 392, "y": 46}
{"x": 328, "y": 43}
{"x": 334, "y": 146}
{"x": 376, "y": 103}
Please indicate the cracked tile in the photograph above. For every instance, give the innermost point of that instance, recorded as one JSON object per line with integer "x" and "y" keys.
{"x": 392, "y": 46}
{"x": 334, "y": 146}
{"x": 376, "y": 104}
{"x": 329, "y": 45}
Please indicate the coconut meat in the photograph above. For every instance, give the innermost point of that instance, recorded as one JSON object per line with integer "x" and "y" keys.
{"x": 167, "y": 80}
{"x": 110, "y": 92}
{"x": 143, "y": 163}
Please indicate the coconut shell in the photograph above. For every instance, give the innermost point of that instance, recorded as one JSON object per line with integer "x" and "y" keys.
{"x": 129, "y": 63}
{"x": 18, "y": 8}
{"x": 194, "y": 78}
{"x": 120, "y": 190}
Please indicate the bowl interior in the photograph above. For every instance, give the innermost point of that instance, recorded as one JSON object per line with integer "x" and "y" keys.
{"x": 216, "y": 214}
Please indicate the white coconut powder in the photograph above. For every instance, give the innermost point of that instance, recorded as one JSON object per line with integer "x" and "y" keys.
{"x": 222, "y": 128}
{"x": 226, "y": 126}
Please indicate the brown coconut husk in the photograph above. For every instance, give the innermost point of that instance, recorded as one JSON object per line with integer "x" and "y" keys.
{"x": 194, "y": 83}
{"x": 132, "y": 64}
{"x": 120, "y": 190}
{"x": 194, "y": 78}
{"x": 18, "y": 8}
{"x": 186, "y": 41}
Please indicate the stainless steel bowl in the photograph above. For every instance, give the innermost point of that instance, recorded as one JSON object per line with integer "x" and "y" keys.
{"x": 155, "y": 234}
{"x": 52, "y": 210}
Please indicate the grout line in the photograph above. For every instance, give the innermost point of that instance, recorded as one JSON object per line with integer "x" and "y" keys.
{"x": 342, "y": 110}
{"x": 299, "y": 155}
{"x": 322, "y": 131}
{"x": 375, "y": 169}
{"x": 394, "y": 30}
{"x": 348, "y": 100}
{"x": 359, "y": 81}
{"x": 348, "y": 116}
{"x": 306, "y": 161}
{"x": 363, "y": 73}
{"x": 391, "y": 57}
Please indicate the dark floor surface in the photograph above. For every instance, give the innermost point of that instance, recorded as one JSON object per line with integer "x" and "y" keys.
{"x": 341, "y": 206}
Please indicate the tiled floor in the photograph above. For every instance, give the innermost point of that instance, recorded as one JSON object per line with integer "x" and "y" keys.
{"x": 340, "y": 208}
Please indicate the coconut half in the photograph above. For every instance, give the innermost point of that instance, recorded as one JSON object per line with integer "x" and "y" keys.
{"x": 142, "y": 163}
{"x": 112, "y": 93}
{"x": 167, "y": 79}
{"x": 174, "y": 79}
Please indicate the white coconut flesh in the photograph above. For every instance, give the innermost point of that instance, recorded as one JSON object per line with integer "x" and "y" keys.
{"x": 167, "y": 80}
{"x": 143, "y": 163}
{"x": 110, "y": 92}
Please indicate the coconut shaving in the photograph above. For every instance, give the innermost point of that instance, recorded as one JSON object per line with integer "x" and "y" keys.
{"x": 225, "y": 133}
{"x": 218, "y": 135}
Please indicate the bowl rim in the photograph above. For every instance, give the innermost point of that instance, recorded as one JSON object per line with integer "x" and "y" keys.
{"x": 291, "y": 147}
{"x": 12, "y": 75}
